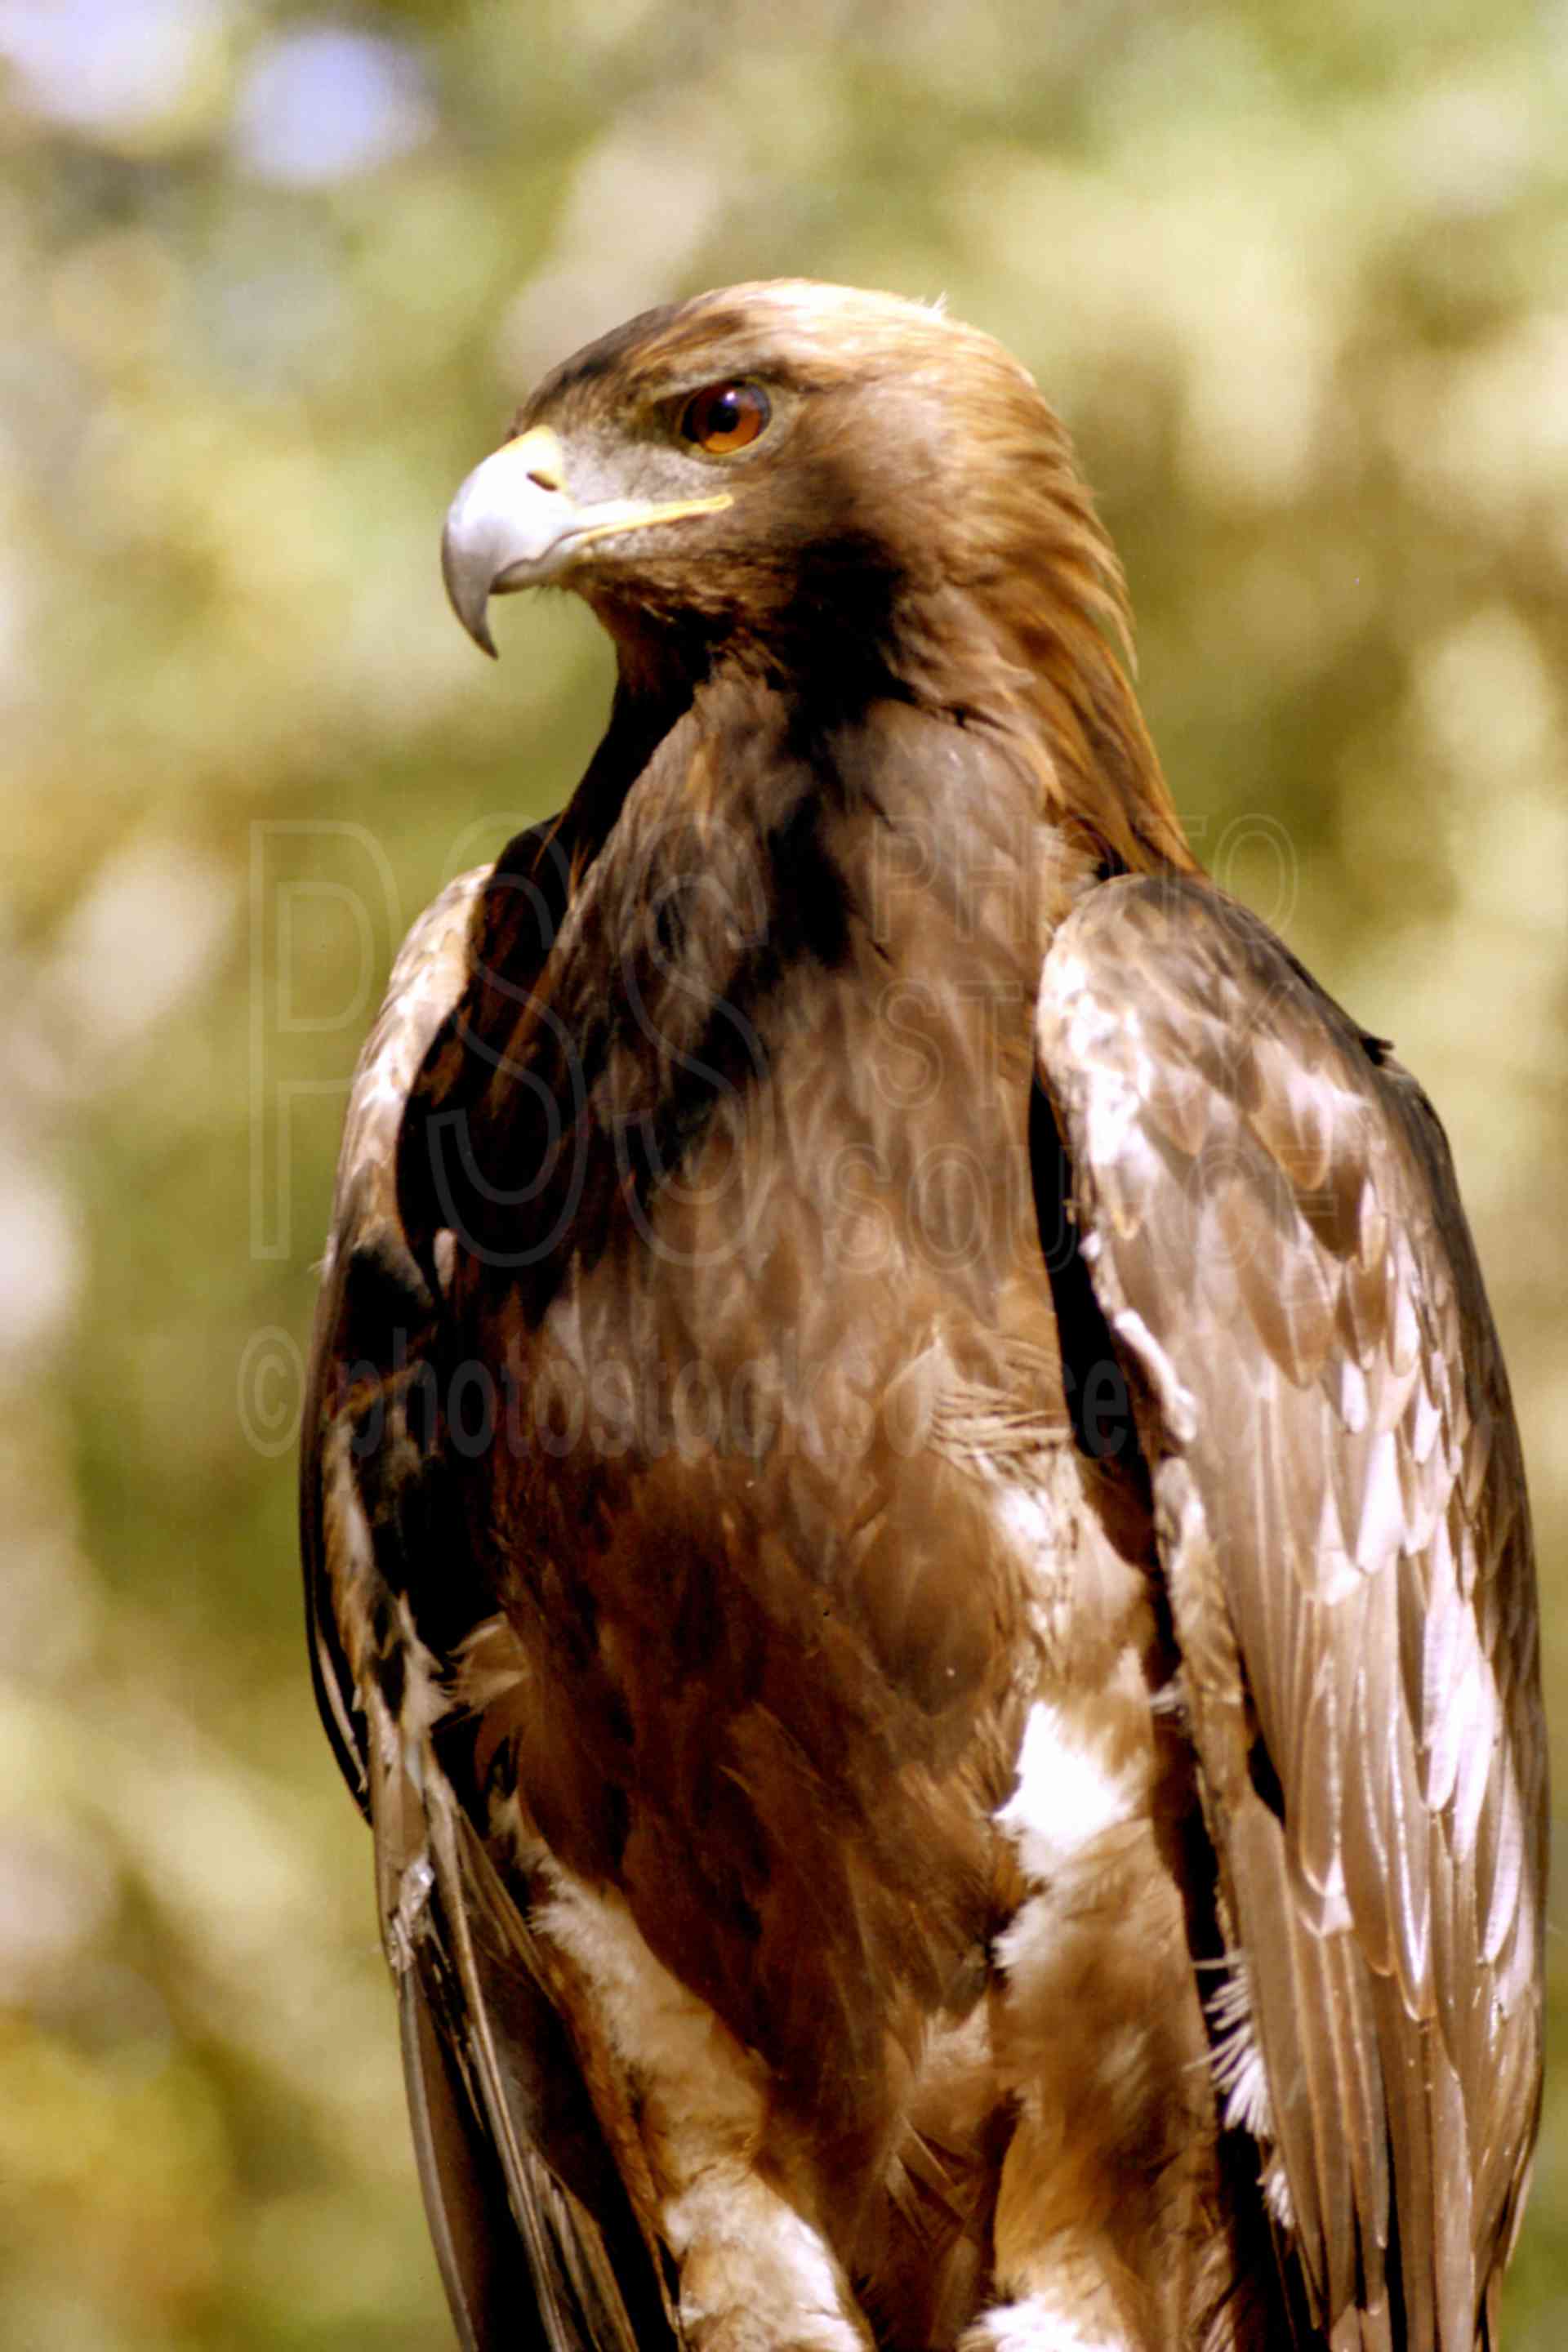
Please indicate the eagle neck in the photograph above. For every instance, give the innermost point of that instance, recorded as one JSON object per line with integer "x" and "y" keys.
{"x": 1040, "y": 668}
{"x": 647, "y": 707}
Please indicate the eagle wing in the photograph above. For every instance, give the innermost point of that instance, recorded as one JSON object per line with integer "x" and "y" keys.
{"x": 535, "y": 2240}
{"x": 1267, "y": 1211}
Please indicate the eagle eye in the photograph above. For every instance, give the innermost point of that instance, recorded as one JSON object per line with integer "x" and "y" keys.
{"x": 725, "y": 416}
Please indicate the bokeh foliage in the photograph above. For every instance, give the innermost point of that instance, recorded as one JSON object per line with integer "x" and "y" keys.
{"x": 1297, "y": 273}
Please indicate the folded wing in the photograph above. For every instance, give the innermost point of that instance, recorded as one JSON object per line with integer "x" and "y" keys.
{"x": 535, "y": 2240}
{"x": 1267, "y": 1215}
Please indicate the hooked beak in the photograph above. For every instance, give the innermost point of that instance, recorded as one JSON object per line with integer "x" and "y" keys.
{"x": 515, "y": 524}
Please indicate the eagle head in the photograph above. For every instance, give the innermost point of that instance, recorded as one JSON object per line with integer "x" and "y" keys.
{"x": 813, "y": 483}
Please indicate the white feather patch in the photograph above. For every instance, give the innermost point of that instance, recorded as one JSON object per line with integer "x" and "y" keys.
{"x": 1028, "y": 1520}
{"x": 1067, "y": 1795}
{"x": 1175, "y": 1401}
{"x": 1241, "y": 2081}
{"x": 1066, "y": 1799}
{"x": 1277, "y": 2193}
{"x": 742, "y": 2247}
{"x": 1238, "y": 2061}
{"x": 1039, "y": 2324}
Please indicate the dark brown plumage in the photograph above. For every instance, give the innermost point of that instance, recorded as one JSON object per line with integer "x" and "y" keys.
{"x": 914, "y": 1535}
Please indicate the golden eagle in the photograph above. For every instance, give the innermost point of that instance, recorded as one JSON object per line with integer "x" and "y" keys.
{"x": 915, "y": 1540}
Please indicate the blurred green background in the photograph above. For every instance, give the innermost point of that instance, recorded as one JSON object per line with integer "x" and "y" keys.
{"x": 271, "y": 280}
